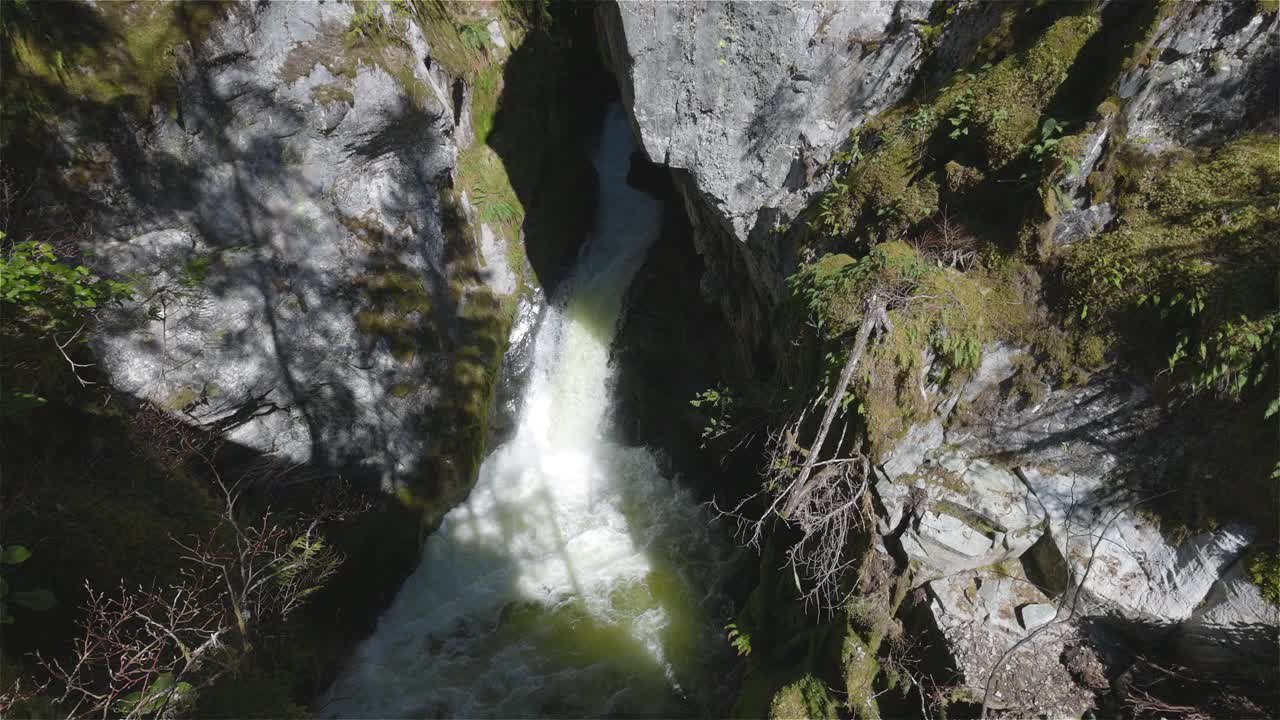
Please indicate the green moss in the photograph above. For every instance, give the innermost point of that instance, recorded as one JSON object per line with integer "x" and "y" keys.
{"x": 878, "y": 187}
{"x": 944, "y": 312}
{"x": 962, "y": 178}
{"x": 397, "y": 309}
{"x": 121, "y": 56}
{"x": 456, "y": 33}
{"x": 891, "y": 188}
{"x": 871, "y": 620}
{"x": 486, "y": 89}
{"x": 1186, "y": 281}
{"x": 804, "y": 698}
{"x": 370, "y": 40}
{"x": 181, "y": 398}
{"x": 976, "y": 522}
{"x": 484, "y": 176}
{"x": 1011, "y": 96}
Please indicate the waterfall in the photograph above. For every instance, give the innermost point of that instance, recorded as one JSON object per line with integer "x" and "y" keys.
{"x": 575, "y": 579}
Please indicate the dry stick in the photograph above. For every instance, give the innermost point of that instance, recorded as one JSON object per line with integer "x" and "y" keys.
{"x": 875, "y": 316}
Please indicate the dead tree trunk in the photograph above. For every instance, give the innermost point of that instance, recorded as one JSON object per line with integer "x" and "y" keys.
{"x": 875, "y": 317}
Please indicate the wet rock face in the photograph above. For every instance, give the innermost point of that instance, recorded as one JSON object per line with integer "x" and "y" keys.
{"x": 1013, "y": 522}
{"x": 285, "y": 230}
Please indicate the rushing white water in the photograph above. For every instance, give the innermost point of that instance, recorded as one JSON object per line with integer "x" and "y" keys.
{"x": 576, "y": 579}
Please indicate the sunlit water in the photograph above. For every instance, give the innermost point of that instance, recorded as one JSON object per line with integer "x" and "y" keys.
{"x": 576, "y": 579}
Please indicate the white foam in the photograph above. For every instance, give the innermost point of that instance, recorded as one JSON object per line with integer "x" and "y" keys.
{"x": 575, "y": 579}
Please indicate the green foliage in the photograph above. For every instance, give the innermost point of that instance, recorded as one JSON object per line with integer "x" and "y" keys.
{"x": 368, "y": 23}
{"x": 1050, "y": 136}
{"x": 105, "y": 57}
{"x": 1011, "y": 95}
{"x": 38, "y": 599}
{"x": 961, "y": 113}
{"x": 739, "y": 638}
{"x": 1264, "y": 571}
{"x": 475, "y": 35}
{"x": 483, "y": 174}
{"x": 834, "y": 287}
{"x": 1187, "y": 279}
{"x": 162, "y": 693}
{"x": 937, "y": 311}
{"x": 48, "y": 293}
{"x": 45, "y": 307}
{"x": 718, "y": 403}
{"x": 14, "y": 555}
{"x": 807, "y": 697}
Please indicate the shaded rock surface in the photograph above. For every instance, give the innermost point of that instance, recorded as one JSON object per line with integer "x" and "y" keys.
{"x": 1208, "y": 71}
{"x": 286, "y": 230}
{"x": 1019, "y": 519}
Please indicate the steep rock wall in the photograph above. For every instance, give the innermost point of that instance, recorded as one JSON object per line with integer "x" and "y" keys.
{"x": 747, "y": 102}
{"x": 1172, "y": 80}
{"x": 316, "y": 276}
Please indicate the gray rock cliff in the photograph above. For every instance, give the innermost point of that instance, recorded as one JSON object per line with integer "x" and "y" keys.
{"x": 290, "y": 238}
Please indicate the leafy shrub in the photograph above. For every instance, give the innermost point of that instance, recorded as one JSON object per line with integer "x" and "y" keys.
{"x": 38, "y": 599}
{"x": 46, "y": 305}
{"x": 1264, "y": 571}
{"x": 368, "y": 23}
{"x": 475, "y": 35}
{"x": 739, "y": 638}
{"x": 719, "y": 404}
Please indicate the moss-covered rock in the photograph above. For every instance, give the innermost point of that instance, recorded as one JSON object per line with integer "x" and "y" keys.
{"x": 807, "y": 697}
{"x": 1186, "y": 280}
{"x": 1009, "y": 99}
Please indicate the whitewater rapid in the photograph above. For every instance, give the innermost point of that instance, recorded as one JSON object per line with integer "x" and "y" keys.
{"x": 576, "y": 580}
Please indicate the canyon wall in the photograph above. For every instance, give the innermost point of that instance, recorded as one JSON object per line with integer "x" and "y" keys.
{"x": 751, "y": 106}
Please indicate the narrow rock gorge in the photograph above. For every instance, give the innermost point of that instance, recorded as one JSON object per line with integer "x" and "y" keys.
{"x": 899, "y": 358}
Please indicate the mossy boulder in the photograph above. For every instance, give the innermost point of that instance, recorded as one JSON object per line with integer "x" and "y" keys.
{"x": 806, "y": 698}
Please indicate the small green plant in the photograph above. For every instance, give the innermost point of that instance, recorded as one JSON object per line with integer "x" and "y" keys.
{"x": 1264, "y": 571}
{"x": 45, "y": 307}
{"x": 49, "y": 291}
{"x": 739, "y": 638}
{"x": 475, "y": 35}
{"x": 1050, "y": 136}
{"x": 920, "y": 120}
{"x": 368, "y": 23}
{"x": 962, "y": 113}
{"x": 719, "y": 404}
{"x": 1189, "y": 271}
{"x": 38, "y": 599}
{"x": 853, "y": 154}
